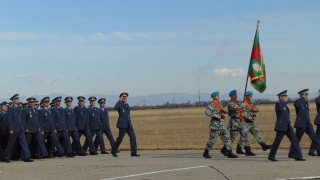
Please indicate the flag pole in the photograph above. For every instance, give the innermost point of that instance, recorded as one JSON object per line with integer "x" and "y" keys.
{"x": 245, "y": 89}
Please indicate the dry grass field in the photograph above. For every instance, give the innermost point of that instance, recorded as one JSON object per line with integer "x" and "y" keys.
{"x": 188, "y": 128}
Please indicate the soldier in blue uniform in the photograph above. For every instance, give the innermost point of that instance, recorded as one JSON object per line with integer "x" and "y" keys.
{"x": 81, "y": 118}
{"x": 48, "y": 128}
{"x": 33, "y": 128}
{"x": 36, "y": 104}
{"x": 4, "y": 130}
{"x": 60, "y": 124}
{"x": 16, "y": 130}
{"x": 303, "y": 123}
{"x": 71, "y": 126}
{"x": 125, "y": 126}
{"x": 283, "y": 127}
{"x": 95, "y": 125}
{"x": 104, "y": 117}
{"x": 317, "y": 123}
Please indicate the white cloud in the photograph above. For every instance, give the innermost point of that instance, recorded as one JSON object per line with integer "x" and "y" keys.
{"x": 98, "y": 36}
{"x": 25, "y": 36}
{"x": 237, "y": 72}
{"x": 121, "y": 35}
{"x": 31, "y": 78}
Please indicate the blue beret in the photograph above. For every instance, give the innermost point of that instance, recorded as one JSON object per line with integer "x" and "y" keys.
{"x": 214, "y": 94}
{"x": 16, "y": 96}
{"x": 68, "y": 99}
{"x": 31, "y": 99}
{"x": 47, "y": 98}
{"x": 57, "y": 99}
{"x": 283, "y": 93}
{"x": 81, "y": 98}
{"x": 303, "y": 91}
{"x": 233, "y": 92}
{"x": 248, "y": 93}
{"x": 92, "y": 98}
{"x": 101, "y": 100}
{"x": 124, "y": 94}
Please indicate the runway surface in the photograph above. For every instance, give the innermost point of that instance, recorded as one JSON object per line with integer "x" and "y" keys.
{"x": 164, "y": 164}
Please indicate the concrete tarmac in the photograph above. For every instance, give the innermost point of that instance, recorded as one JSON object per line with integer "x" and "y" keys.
{"x": 164, "y": 164}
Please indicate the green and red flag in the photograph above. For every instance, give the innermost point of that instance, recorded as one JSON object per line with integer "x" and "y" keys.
{"x": 257, "y": 67}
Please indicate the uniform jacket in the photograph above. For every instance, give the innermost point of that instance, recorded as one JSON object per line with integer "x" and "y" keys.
{"x": 46, "y": 120}
{"x": 215, "y": 123}
{"x": 302, "y": 111}
{"x": 283, "y": 117}
{"x": 94, "y": 118}
{"x": 104, "y": 117}
{"x": 59, "y": 118}
{"x": 233, "y": 110}
{"x": 70, "y": 120}
{"x": 317, "y": 119}
{"x": 247, "y": 111}
{"x": 81, "y": 117}
{"x": 15, "y": 122}
{"x": 4, "y": 131}
{"x": 30, "y": 117}
{"x": 124, "y": 120}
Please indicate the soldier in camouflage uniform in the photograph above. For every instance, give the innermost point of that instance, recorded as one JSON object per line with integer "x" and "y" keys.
{"x": 236, "y": 123}
{"x": 250, "y": 111}
{"x": 217, "y": 126}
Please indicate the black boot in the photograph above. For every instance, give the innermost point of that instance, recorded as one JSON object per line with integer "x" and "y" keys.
{"x": 231, "y": 155}
{"x": 239, "y": 150}
{"x": 248, "y": 151}
{"x": 264, "y": 146}
{"x": 206, "y": 154}
{"x": 224, "y": 151}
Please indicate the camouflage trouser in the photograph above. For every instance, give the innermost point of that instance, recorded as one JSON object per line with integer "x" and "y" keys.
{"x": 237, "y": 127}
{"x": 214, "y": 136}
{"x": 253, "y": 128}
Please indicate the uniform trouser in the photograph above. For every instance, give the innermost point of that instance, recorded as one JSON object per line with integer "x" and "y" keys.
{"x": 54, "y": 142}
{"x": 99, "y": 135}
{"x": 237, "y": 127}
{"x": 132, "y": 136}
{"x": 4, "y": 140}
{"x": 23, "y": 142}
{"x": 313, "y": 146}
{"x": 312, "y": 136}
{"x": 2, "y": 152}
{"x": 87, "y": 134}
{"x": 214, "y": 136}
{"x": 109, "y": 135}
{"x": 294, "y": 143}
{"x": 253, "y": 129}
{"x": 40, "y": 142}
{"x": 76, "y": 141}
{"x": 66, "y": 140}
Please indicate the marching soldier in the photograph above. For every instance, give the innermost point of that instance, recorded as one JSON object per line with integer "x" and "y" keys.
{"x": 81, "y": 117}
{"x": 303, "y": 123}
{"x": 4, "y": 130}
{"x": 125, "y": 126}
{"x": 60, "y": 124}
{"x": 48, "y": 128}
{"x": 217, "y": 126}
{"x": 250, "y": 111}
{"x": 317, "y": 123}
{"x": 237, "y": 124}
{"x": 283, "y": 127}
{"x": 16, "y": 130}
{"x": 105, "y": 126}
{"x": 95, "y": 125}
{"x": 71, "y": 126}
{"x": 33, "y": 128}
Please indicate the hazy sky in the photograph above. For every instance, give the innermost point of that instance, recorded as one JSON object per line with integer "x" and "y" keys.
{"x": 148, "y": 47}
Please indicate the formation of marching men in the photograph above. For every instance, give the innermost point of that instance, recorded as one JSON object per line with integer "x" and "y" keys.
{"x": 28, "y": 132}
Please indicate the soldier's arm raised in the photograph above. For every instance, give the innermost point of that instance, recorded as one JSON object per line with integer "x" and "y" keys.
{"x": 117, "y": 106}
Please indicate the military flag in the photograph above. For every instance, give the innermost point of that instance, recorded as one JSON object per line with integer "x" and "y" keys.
{"x": 257, "y": 67}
